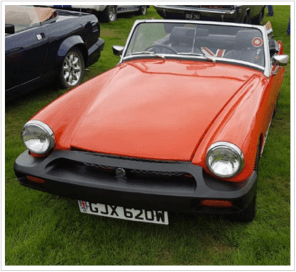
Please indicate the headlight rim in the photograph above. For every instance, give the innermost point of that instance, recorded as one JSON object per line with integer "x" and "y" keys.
{"x": 231, "y": 147}
{"x": 43, "y": 126}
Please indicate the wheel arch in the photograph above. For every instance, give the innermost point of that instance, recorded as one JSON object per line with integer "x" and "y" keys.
{"x": 68, "y": 44}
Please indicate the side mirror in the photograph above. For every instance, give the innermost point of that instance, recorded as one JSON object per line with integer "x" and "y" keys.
{"x": 281, "y": 60}
{"x": 9, "y": 28}
{"x": 117, "y": 50}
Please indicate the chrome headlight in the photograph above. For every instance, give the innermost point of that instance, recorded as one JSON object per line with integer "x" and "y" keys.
{"x": 38, "y": 137}
{"x": 224, "y": 159}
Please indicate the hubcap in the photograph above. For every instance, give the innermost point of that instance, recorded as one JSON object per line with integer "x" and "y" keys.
{"x": 72, "y": 69}
{"x": 112, "y": 13}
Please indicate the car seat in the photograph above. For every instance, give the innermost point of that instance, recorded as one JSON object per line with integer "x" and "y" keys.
{"x": 248, "y": 47}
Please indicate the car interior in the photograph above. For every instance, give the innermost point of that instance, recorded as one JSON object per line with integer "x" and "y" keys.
{"x": 23, "y": 17}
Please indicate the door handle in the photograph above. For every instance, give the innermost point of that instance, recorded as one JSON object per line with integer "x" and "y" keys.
{"x": 40, "y": 36}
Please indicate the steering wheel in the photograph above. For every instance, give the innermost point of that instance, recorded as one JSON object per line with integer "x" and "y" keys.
{"x": 161, "y": 46}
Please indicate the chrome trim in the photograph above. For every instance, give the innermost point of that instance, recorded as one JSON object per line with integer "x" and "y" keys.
{"x": 231, "y": 147}
{"x": 267, "y": 68}
{"x": 188, "y": 57}
{"x": 281, "y": 60}
{"x": 117, "y": 50}
{"x": 198, "y": 9}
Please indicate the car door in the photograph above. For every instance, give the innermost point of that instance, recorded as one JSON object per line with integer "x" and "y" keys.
{"x": 125, "y": 8}
{"x": 25, "y": 54}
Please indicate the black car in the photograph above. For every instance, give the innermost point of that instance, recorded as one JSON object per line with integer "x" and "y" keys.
{"x": 45, "y": 44}
{"x": 228, "y": 13}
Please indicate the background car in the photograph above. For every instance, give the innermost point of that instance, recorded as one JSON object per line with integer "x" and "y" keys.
{"x": 106, "y": 13}
{"x": 44, "y": 44}
{"x": 178, "y": 125}
{"x": 239, "y": 14}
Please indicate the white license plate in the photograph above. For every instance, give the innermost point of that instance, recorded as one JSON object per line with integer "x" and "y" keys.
{"x": 140, "y": 215}
{"x": 194, "y": 16}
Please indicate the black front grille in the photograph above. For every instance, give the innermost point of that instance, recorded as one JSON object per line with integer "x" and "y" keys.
{"x": 79, "y": 170}
{"x": 130, "y": 173}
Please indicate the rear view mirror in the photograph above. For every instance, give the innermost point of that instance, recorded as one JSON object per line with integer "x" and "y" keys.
{"x": 9, "y": 28}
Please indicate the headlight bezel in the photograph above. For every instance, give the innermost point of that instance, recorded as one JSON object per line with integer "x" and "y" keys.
{"x": 44, "y": 128}
{"x": 233, "y": 149}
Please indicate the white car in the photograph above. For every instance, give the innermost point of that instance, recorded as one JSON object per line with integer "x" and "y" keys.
{"x": 105, "y": 13}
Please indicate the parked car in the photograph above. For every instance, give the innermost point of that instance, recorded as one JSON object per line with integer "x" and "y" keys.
{"x": 178, "y": 125}
{"x": 229, "y": 13}
{"x": 106, "y": 13}
{"x": 43, "y": 44}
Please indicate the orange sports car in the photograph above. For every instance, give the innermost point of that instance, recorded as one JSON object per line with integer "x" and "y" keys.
{"x": 178, "y": 125}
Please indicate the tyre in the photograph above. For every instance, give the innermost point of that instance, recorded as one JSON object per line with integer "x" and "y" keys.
{"x": 142, "y": 10}
{"x": 245, "y": 19}
{"x": 109, "y": 14}
{"x": 258, "y": 20}
{"x": 72, "y": 70}
{"x": 248, "y": 214}
{"x": 275, "y": 108}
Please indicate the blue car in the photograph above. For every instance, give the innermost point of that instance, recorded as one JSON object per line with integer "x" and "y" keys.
{"x": 46, "y": 44}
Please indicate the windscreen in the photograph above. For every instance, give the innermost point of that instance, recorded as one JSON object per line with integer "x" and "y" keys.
{"x": 221, "y": 41}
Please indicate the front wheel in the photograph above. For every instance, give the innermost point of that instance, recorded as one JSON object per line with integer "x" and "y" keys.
{"x": 249, "y": 213}
{"x": 142, "y": 10}
{"x": 109, "y": 14}
{"x": 259, "y": 19}
{"x": 72, "y": 70}
{"x": 245, "y": 19}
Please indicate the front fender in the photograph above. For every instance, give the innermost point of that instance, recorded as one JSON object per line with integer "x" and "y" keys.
{"x": 241, "y": 122}
{"x": 71, "y": 107}
{"x": 66, "y": 45}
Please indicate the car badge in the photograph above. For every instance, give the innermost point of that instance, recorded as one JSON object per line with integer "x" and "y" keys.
{"x": 120, "y": 173}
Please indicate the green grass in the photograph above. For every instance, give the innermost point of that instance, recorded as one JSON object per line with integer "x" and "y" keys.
{"x": 43, "y": 229}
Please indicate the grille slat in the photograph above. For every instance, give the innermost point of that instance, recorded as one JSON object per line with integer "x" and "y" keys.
{"x": 143, "y": 173}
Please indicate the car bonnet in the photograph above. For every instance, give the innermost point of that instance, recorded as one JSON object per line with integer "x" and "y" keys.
{"x": 149, "y": 110}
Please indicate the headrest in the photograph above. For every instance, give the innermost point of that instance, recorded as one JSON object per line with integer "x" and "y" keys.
{"x": 248, "y": 39}
{"x": 186, "y": 34}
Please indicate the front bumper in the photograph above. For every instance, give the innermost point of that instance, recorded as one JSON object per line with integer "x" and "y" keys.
{"x": 94, "y": 52}
{"x": 177, "y": 12}
{"x": 161, "y": 185}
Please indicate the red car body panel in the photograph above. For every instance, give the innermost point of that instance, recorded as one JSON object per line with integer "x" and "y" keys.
{"x": 143, "y": 108}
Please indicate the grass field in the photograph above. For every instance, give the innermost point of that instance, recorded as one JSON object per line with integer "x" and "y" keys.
{"x": 43, "y": 229}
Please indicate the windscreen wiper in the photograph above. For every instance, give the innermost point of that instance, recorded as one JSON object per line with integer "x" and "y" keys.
{"x": 148, "y": 52}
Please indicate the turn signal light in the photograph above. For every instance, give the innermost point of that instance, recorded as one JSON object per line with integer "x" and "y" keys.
{"x": 216, "y": 203}
{"x": 38, "y": 155}
{"x": 35, "y": 179}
